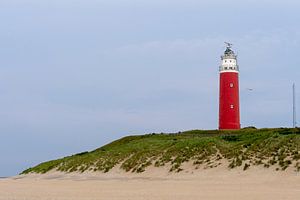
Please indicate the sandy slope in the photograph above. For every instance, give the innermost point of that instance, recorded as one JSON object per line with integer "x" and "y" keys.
{"x": 219, "y": 183}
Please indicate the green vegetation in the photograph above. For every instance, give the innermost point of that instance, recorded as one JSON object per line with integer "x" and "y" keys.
{"x": 241, "y": 148}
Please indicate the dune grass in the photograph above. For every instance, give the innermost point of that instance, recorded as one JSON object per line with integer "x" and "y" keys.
{"x": 242, "y": 148}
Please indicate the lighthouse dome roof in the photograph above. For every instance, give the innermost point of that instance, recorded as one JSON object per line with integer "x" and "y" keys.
{"x": 228, "y": 51}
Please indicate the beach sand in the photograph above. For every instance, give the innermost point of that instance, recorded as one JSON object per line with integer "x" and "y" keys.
{"x": 156, "y": 184}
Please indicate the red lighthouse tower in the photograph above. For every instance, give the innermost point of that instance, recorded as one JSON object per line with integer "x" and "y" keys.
{"x": 229, "y": 108}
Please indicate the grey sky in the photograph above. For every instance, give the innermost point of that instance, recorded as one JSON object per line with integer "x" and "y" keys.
{"x": 75, "y": 75}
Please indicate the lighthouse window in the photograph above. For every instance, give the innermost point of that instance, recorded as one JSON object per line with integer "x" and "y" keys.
{"x": 231, "y": 85}
{"x": 231, "y": 106}
{"x": 230, "y": 60}
{"x": 225, "y": 67}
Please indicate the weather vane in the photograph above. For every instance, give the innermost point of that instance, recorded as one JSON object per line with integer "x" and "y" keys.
{"x": 228, "y": 45}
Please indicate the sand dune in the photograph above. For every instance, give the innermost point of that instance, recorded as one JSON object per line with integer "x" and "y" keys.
{"x": 219, "y": 183}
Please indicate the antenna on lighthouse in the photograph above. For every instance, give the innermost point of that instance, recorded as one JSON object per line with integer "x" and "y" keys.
{"x": 228, "y": 45}
{"x": 294, "y": 106}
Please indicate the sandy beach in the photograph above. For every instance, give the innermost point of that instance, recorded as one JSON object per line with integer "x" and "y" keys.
{"x": 199, "y": 184}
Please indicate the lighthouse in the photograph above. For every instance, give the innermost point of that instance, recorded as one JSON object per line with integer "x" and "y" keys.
{"x": 229, "y": 108}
